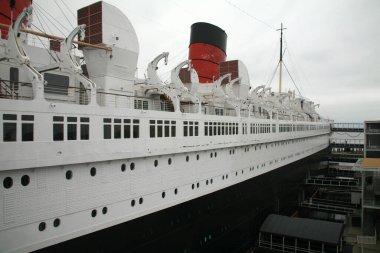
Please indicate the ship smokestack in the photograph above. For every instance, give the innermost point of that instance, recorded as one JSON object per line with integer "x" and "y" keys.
{"x": 207, "y": 49}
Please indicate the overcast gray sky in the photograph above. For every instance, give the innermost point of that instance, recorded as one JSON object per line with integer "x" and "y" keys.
{"x": 332, "y": 47}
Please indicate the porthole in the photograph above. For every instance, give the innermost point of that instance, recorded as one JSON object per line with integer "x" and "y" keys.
{"x": 42, "y": 226}
{"x": 56, "y": 222}
{"x": 192, "y": 186}
{"x": 8, "y": 182}
{"x": 104, "y": 210}
{"x": 211, "y": 181}
{"x": 133, "y": 202}
{"x": 197, "y": 156}
{"x": 123, "y": 166}
{"x": 207, "y": 182}
{"x": 198, "y": 185}
{"x": 211, "y": 154}
{"x": 141, "y": 200}
{"x": 223, "y": 177}
{"x": 175, "y": 191}
{"x": 163, "y": 194}
{"x": 69, "y": 174}
{"x": 93, "y": 171}
{"x": 169, "y": 161}
{"x": 233, "y": 151}
{"x": 226, "y": 176}
{"x": 132, "y": 166}
{"x": 25, "y": 180}
{"x": 230, "y": 152}
{"x": 216, "y": 154}
{"x": 236, "y": 173}
{"x": 155, "y": 163}
{"x": 187, "y": 158}
{"x": 93, "y": 213}
{"x": 242, "y": 171}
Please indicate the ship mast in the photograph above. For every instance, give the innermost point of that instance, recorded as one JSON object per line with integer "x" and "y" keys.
{"x": 280, "y": 63}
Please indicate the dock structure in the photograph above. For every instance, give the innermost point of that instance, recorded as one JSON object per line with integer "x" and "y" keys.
{"x": 287, "y": 234}
{"x": 346, "y": 142}
{"x": 369, "y": 167}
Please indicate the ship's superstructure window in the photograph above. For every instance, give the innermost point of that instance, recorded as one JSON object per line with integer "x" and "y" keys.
{"x": 222, "y": 128}
{"x": 56, "y": 84}
{"x": 162, "y": 128}
{"x": 27, "y": 130}
{"x": 58, "y": 126}
{"x": 190, "y": 128}
{"x": 84, "y": 128}
{"x": 72, "y": 130}
{"x": 244, "y": 128}
{"x": 141, "y": 104}
{"x": 219, "y": 111}
{"x": 9, "y": 127}
{"x": 14, "y": 78}
{"x": 273, "y": 128}
{"x": 118, "y": 128}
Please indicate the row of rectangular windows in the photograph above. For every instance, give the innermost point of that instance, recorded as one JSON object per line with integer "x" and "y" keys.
{"x": 121, "y": 128}
{"x": 74, "y": 128}
{"x": 221, "y": 128}
{"x": 162, "y": 128}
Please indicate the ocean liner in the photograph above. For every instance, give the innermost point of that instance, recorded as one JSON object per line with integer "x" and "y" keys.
{"x": 87, "y": 147}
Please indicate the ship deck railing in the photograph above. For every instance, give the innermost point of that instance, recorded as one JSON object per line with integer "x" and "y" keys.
{"x": 328, "y": 207}
{"x": 63, "y": 93}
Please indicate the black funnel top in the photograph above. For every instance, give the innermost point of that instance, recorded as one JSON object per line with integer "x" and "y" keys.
{"x": 210, "y": 34}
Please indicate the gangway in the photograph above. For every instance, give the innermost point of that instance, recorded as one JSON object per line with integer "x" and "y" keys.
{"x": 332, "y": 181}
{"x": 347, "y": 127}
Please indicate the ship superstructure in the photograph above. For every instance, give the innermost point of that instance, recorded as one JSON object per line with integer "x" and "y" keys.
{"x": 86, "y": 147}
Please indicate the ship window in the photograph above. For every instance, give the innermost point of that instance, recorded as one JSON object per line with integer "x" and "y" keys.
{"x": 127, "y": 130}
{"x": 56, "y": 222}
{"x": 56, "y": 84}
{"x": 141, "y": 200}
{"x": 72, "y": 128}
{"x": 84, "y": 129}
{"x": 155, "y": 163}
{"x": 175, "y": 191}
{"x": 107, "y": 128}
{"x": 185, "y": 127}
{"x": 167, "y": 128}
{"x": 159, "y": 128}
{"x": 133, "y": 202}
{"x": 163, "y": 195}
{"x": 14, "y": 78}
{"x": 136, "y": 128}
{"x": 42, "y": 226}
{"x": 117, "y": 128}
{"x": 69, "y": 174}
{"x": 93, "y": 171}
{"x": 206, "y": 128}
{"x": 7, "y": 182}
{"x": 9, "y": 127}
{"x": 219, "y": 131}
{"x": 58, "y": 128}
{"x": 152, "y": 128}
{"x": 93, "y": 213}
{"x": 25, "y": 179}
{"x": 173, "y": 125}
{"x": 191, "y": 127}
